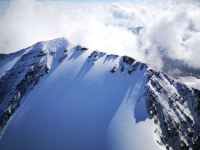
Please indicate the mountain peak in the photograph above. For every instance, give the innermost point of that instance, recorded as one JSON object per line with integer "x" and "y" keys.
{"x": 114, "y": 97}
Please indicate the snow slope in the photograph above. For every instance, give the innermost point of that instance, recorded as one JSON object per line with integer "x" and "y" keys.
{"x": 7, "y": 61}
{"x": 86, "y": 100}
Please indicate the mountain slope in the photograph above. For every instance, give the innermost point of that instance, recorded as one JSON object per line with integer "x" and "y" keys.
{"x": 69, "y": 97}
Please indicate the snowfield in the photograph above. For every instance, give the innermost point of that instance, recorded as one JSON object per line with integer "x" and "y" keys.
{"x": 86, "y": 100}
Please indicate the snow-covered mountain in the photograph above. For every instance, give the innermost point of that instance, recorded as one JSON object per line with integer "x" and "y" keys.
{"x": 57, "y": 95}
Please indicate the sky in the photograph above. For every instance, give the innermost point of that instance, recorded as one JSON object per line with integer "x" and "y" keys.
{"x": 169, "y": 29}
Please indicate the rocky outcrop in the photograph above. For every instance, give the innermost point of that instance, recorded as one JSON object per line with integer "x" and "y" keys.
{"x": 174, "y": 108}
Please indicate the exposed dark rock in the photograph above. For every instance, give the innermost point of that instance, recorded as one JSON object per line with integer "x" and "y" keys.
{"x": 79, "y": 48}
{"x": 113, "y": 70}
{"x": 128, "y": 60}
{"x": 174, "y": 122}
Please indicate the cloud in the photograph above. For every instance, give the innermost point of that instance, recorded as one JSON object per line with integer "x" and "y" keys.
{"x": 169, "y": 29}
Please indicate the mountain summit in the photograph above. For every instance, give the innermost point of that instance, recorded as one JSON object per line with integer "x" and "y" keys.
{"x": 57, "y": 95}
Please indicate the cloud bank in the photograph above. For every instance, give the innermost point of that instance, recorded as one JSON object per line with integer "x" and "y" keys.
{"x": 148, "y": 32}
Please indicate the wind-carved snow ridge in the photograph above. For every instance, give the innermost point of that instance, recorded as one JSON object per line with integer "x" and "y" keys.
{"x": 83, "y": 99}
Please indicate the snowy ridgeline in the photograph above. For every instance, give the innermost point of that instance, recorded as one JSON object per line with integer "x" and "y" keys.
{"x": 55, "y": 95}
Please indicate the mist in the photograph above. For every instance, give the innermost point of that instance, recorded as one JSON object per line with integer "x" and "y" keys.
{"x": 146, "y": 31}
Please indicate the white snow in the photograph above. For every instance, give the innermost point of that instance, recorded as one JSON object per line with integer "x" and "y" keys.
{"x": 130, "y": 128}
{"x": 83, "y": 106}
{"x": 8, "y": 62}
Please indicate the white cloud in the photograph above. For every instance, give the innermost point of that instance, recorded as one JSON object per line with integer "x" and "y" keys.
{"x": 169, "y": 29}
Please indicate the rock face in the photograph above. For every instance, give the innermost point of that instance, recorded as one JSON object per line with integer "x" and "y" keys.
{"x": 172, "y": 106}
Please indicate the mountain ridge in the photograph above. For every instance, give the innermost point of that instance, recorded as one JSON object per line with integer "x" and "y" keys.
{"x": 172, "y": 106}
